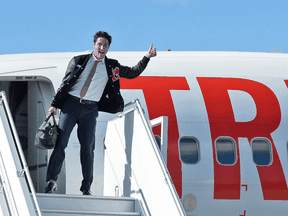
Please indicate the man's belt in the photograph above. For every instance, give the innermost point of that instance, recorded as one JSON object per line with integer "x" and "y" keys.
{"x": 82, "y": 101}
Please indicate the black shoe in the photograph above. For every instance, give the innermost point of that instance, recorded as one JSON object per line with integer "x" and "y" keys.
{"x": 51, "y": 187}
{"x": 86, "y": 192}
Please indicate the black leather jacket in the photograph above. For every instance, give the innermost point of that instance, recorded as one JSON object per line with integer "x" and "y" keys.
{"x": 111, "y": 100}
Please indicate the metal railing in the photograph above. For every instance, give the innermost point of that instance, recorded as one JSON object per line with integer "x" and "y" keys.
{"x": 146, "y": 126}
{"x": 24, "y": 172}
{"x": 161, "y": 158}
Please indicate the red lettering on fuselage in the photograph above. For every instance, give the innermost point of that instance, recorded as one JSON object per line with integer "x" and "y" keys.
{"x": 227, "y": 179}
{"x": 159, "y": 103}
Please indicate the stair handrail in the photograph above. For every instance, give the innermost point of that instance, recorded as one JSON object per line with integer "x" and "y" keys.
{"x": 25, "y": 168}
{"x": 4, "y": 179}
{"x": 164, "y": 168}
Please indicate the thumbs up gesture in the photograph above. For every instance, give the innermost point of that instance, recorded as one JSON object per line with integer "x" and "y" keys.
{"x": 151, "y": 51}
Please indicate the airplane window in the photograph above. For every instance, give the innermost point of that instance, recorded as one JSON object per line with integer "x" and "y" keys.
{"x": 189, "y": 150}
{"x": 226, "y": 151}
{"x": 262, "y": 151}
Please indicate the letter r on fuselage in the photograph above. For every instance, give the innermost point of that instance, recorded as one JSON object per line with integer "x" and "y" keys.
{"x": 227, "y": 179}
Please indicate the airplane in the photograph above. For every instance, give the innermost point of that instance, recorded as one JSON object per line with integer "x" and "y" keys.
{"x": 227, "y": 140}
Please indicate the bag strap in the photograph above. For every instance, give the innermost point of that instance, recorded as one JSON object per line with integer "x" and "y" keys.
{"x": 51, "y": 114}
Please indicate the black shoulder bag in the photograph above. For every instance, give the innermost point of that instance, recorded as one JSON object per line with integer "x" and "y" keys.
{"x": 46, "y": 135}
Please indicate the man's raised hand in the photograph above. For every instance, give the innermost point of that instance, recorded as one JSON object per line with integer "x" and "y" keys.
{"x": 151, "y": 52}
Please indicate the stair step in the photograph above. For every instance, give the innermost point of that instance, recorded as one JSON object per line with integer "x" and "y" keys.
{"x": 63, "y": 202}
{"x": 47, "y": 212}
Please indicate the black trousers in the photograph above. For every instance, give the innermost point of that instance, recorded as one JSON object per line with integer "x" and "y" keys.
{"x": 84, "y": 115}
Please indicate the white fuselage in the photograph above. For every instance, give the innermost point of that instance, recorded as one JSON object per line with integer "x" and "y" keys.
{"x": 227, "y": 123}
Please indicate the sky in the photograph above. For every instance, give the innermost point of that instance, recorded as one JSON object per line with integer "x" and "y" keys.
{"x": 37, "y": 26}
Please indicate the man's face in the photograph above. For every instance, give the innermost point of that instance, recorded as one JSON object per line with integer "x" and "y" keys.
{"x": 101, "y": 47}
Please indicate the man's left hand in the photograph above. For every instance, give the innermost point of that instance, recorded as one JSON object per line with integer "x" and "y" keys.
{"x": 151, "y": 52}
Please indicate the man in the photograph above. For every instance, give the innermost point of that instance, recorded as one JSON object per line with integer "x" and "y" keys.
{"x": 90, "y": 84}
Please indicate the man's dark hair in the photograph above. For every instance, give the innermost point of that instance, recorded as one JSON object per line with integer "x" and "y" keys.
{"x": 104, "y": 35}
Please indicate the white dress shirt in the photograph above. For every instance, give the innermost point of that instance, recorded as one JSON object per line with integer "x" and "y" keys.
{"x": 98, "y": 82}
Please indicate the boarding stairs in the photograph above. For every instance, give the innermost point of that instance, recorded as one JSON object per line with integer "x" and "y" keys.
{"x": 136, "y": 181}
{"x": 71, "y": 205}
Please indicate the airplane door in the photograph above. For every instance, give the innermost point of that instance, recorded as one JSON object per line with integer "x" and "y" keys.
{"x": 39, "y": 96}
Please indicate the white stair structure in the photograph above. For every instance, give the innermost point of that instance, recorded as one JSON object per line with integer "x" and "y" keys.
{"x": 67, "y": 205}
{"x": 137, "y": 182}
{"x": 15, "y": 190}
{"x": 137, "y": 164}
